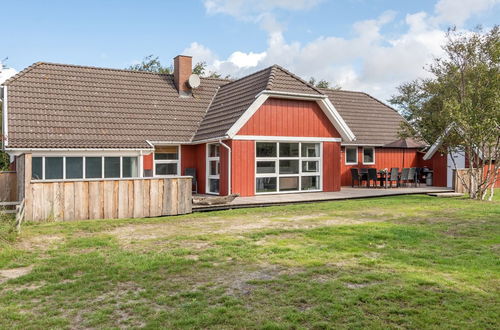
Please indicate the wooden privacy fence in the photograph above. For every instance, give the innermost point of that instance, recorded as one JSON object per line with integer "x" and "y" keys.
{"x": 464, "y": 174}
{"x": 101, "y": 199}
{"x": 8, "y": 186}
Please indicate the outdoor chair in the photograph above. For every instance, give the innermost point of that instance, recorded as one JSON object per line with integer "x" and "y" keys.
{"x": 394, "y": 176}
{"x": 194, "y": 182}
{"x": 372, "y": 177}
{"x": 404, "y": 176}
{"x": 355, "y": 176}
{"x": 412, "y": 176}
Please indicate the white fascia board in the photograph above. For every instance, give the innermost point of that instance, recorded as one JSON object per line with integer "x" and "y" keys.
{"x": 362, "y": 145}
{"x": 79, "y": 152}
{"x": 432, "y": 150}
{"x": 252, "y": 109}
{"x": 337, "y": 120}
{"x": 291, "y": 95}
{"x": 285, "y": 138}
{"x": 5, "y": 129}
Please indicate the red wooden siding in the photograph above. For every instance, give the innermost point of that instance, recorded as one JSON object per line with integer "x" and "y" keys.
{"x": 148, "y": 162}
{"x": 188, "y": 158}
{"x": 289, "y": 118}
{"x": 384, "y": 158}
{"x": 331, "y": 166}
{"x": 438, "y": 163}
{"x": 201, "y": 162}
{"x": 243, "y": 174}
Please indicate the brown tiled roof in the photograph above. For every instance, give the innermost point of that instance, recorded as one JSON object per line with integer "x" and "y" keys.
{"x": 68, "y": 106}
{"x": 371, "y": 121}
{"x": 235, "y": 97}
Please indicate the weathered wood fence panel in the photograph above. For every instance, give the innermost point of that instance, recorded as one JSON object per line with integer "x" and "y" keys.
{"x": 98, "y": 199}
{"x": 464, "y": 174}
{"x": 8, "y": 186}
{"x": 134, "y": 198}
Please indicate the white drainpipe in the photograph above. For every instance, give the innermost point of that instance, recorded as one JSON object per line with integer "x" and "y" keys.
{"x": 228, "y": 166}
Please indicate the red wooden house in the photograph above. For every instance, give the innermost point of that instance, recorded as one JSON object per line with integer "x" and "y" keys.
{"x": 266, "y": 133}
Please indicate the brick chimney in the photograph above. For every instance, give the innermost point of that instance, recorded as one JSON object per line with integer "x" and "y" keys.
{"x": 183, "y": 68}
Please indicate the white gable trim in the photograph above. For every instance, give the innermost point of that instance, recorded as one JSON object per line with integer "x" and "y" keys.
{"x": 435, "y": 147}
{"x": 322, "y": 100}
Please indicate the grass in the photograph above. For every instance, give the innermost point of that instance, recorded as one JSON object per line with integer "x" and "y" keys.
{"x": 394, "y": 262}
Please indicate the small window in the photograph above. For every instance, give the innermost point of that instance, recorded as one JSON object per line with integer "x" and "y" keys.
{"x": 129, "y": 167}
{"x": 214, "y": 150}
{"x": 53, "y": 168}
{"x": 310, "y": 183}
{"x": 266, "y": 185}
{"x": 310, "y": 166}
{"x": 289, "y": 150}
{"x": 351, "y": 155}
{"x": 266, "y": 167}
{"x": 166, "y": 169}
{"x": 214, "y": 167}
{"x": 289, "y": 183}
{"x": 167, "y": 153}
{"x": 93, "y": 167}
{"x": 266, "y": 149}
{"x": 214, "y": 185}
{"x": 111, "y": 167}
{"x": 368, "y": 155}
{"x": 310, "y": 150}
{"x": 74, "y": 167}
{"x": 289, "y": 166}
{"x": 36, "y": 168}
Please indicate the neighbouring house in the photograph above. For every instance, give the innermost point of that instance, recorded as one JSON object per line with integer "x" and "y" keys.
{"x": 269, "y": 132}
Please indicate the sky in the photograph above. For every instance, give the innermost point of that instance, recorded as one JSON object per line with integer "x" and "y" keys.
{"x": 365, "y": 45}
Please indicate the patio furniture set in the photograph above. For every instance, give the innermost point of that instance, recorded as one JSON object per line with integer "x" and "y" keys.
{"x": 408, "y": 176}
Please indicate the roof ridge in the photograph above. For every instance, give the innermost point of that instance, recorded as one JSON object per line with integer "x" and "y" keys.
{"x": 276, "y": 66}
{"x": 22, "y": 72}
{"x": 205, "y": 114}
{"x": 103, "y": 68}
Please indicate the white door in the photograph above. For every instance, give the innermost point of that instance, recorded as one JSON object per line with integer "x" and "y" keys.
{"x": 459, "y": 158}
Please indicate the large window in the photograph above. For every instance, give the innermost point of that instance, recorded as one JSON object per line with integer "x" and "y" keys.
{"x": 167, "y": 160}
{"x": 213, "y": 168}
{"x": 351, "y": 155}
{"x": 287, "y": 166}
{"x": 83, "y": 167}
{"x": 368, "y": 155}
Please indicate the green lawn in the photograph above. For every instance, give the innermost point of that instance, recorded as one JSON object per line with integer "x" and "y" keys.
{"x": 398, "y": 262}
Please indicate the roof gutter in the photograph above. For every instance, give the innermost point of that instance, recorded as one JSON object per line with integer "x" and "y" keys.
{"x": 228, "y": 166}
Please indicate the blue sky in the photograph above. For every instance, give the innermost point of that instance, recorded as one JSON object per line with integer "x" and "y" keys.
{"x": 357, "y": 44}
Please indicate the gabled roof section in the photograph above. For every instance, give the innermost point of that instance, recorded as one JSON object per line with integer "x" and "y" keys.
{"x": 69, "y": 106}
{"x": 371, "y": 121}
{"x": 234, "y": 98}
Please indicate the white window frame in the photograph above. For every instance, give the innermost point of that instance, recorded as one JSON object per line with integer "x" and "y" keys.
{"x": 84, "y": 160}
{"x": 345, "y": 156}
{"x": 207, "y": 169}
{"x": 168, "y": 161}
{"x": 368, "y": 163}
{"x": 300, "y": 174}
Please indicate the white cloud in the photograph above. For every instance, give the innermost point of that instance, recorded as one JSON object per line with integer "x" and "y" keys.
{"x": 458, "y": 11}
{"x": 369, "y": 61}
{"x": 6, "y": 73}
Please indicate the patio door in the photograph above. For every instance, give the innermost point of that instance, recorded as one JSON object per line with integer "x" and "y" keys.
{"x": 213, "y": 168}
{"x": 454, "y": 159}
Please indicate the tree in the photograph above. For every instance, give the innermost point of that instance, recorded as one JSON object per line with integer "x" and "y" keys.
{"x": 322, "y": 83}
{"x": 151, "y": 64}
{"x": 461, "y": 98}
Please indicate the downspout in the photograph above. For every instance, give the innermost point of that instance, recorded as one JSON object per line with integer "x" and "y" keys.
{"x": 228, "y": 166}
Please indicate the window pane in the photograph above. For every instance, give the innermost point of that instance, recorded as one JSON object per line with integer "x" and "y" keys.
{"x": 36, "y": 168}
{"x": 166, "y": 169}
{"x": 351, "y": 155}
{"x": 53, "y": 167}
{"x": 310, "y": 166}
{"x": 266, "y": 184}
{"x": 93, "y": 167}
{"x": 310, "y": 150}
{"x": 167, "y": 153}
{"x": 310, "y": 183}
{"x": 368, "y": 155}
{"x": 265, "y": 149}
{"x": 74, "y": 167}
{"x": 214, "y": 167}
{"x": 214, "y": 185}
{"x": 111, "y": 167}
{"x": 266, "y": 167}
{"x": 289, "y": 166}
{"x": 289, "y": 183}
{"x": 289, "y": 150}
{"x": 213, "y": 150}
{"x": 129, "y": 167}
